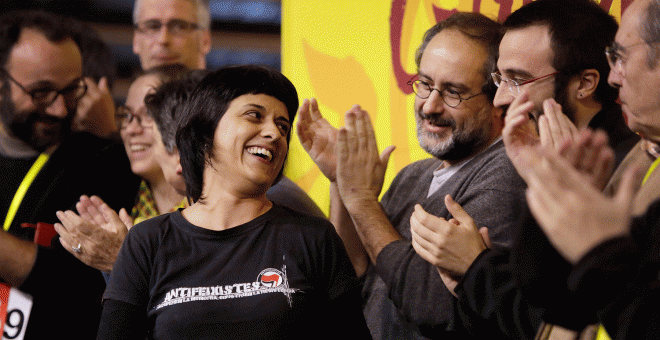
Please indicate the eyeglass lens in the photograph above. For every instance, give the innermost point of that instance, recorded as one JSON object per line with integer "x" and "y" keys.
{"x": 175, "y": 26}
{"x": 423, "y": 90}
{"x": 47, "y": 96}
{"x": 125, "y": 116}
{"x": 513, "y": 86}
{"x": 70, "y": 93}
{"x": 613, "y": 55}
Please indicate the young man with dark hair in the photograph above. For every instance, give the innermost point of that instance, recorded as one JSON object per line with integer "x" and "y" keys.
{"x": 593, "y": 260}
{"x": 553, "y": 50}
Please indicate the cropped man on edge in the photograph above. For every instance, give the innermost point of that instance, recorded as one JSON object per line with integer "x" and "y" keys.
{"x": 41, "y": 83}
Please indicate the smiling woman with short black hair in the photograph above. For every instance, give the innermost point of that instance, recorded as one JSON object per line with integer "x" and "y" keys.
{"x": 233, "y": 264}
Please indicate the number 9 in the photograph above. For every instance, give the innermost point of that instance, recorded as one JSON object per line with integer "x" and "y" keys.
{"x": 14, "y": 321}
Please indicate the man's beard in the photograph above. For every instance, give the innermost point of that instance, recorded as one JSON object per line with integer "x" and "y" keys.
{"x": 561, "y": 97}
{"x": 23, "y": 125}
{"x": 460, "y": 144}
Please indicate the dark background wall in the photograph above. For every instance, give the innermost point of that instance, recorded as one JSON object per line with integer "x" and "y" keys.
{"x": 243, "y": 31}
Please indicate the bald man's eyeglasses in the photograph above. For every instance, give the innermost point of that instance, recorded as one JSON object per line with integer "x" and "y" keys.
{"x": 617, "y": 55}
{"x": 175, "y": 27}
{"x": 46, "y": 96}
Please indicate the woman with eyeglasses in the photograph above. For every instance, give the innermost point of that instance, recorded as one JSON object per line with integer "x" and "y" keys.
{"x": 136, "y": 128}
{"x": 234, "y": 265}
{"x": 95, "y": 233}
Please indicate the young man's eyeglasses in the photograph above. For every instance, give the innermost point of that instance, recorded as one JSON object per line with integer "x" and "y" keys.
{"x": 514, "y": 85}
{"x": 451, "y": 97}
{"x": 124, "y": 117}
{"x": 45, "y": 96}
{"x": 175, "y": 27}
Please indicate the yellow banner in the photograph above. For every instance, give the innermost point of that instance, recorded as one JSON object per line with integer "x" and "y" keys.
{"x": 346, "y": 52}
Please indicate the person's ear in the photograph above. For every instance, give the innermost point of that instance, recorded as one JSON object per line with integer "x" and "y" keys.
{"x": 206, "y": 42}
{"x": 136, "y": 45}
{"x": 179, "y": 169}
{"x": 587, "y": 83}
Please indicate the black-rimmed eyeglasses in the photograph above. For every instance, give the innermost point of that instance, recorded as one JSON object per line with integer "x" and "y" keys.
{"x": 451, "y": 97}
{"x": 46, "y": 96}
{"x": 125, "y": 116}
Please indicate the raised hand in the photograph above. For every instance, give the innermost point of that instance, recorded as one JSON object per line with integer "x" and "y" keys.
{"x": 318, "y": 138}
{"x": 98, "y": 230}
{"x": 554, "y": 126}
{"x": 574, "y": 215}
{"x": 96, "y": 109}
{"x": 360, "y": 169}
{"x": 519, "y": 129}
{"x": 591, "y": 155}
{"x": 552, "y": 130}
{"x": 585, "y": 150}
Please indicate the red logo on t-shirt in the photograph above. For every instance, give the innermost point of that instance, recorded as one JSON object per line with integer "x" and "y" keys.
{"x": 271, "y": 277}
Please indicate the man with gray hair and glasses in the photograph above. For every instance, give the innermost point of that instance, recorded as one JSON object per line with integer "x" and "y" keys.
{"x": 172, "y": 31}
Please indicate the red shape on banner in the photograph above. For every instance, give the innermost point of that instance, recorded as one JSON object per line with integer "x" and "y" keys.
{"x": 505, "y": 9}
{"x": 625, "y": 4}
{"x": 396, "y": 27}
{"x": 606, "y": 5}
{"x": 442, "y": 14}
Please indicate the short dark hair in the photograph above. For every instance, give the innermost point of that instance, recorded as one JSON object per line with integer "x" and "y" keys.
{"x": 12, "y": 23}
{"x": 163, "y": 102}
{"x": 97, "y": 58}
{"x": 208, "y": 103}
{"x": 580, "y": 30}
{"x": 650, "y": 32}
{"x": 477, "y": 27}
